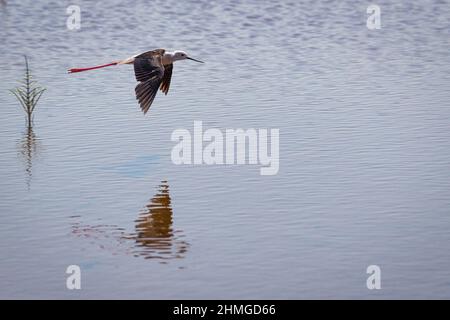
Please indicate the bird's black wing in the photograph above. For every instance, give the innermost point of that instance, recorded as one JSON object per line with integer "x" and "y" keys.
{"x": 165, "y": 82}
{"x": 152, "y": 53}
{"x": 149, "y": 71}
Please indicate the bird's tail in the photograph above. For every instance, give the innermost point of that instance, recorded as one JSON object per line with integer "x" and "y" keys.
{"x": 73, "y": 70}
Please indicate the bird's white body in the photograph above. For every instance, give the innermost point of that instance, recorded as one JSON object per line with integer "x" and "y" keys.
{"x": 169, "y": 57}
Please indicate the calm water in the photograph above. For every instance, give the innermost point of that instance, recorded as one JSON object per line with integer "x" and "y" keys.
{"x": 364, "y": 174}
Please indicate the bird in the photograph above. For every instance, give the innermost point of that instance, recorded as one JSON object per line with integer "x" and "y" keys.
{"x": 152, "y": 69}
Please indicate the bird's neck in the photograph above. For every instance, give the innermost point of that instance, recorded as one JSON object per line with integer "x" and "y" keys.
{"x": 168, "y": 58}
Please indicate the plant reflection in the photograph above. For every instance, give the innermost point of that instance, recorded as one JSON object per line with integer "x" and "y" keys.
{"x": 28, "y": 146}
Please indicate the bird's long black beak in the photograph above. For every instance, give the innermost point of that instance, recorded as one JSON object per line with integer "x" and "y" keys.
{"x": 194, "y": 59}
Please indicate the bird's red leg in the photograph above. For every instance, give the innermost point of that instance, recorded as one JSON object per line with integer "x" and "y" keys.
{"x": 92, "y": 68}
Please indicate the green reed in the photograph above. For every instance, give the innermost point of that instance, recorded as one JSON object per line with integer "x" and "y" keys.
{"x": 28, "y": 92}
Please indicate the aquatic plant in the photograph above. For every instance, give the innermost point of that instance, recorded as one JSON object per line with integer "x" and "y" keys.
{"x": 28, "y": 93}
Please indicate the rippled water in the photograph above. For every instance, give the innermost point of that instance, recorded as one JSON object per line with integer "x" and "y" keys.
{"x": 364, "y": 151}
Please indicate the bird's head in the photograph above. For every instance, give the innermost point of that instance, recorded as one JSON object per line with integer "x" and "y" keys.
{"x": 181, "y": 55}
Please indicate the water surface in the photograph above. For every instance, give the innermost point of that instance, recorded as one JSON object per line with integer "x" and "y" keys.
{"x": 364, "y": 152}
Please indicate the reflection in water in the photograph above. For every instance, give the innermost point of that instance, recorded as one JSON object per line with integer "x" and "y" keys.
{"x": 28, "y": 147}
{"x": 154, "y": 232}
{"x": 154, "y": 237}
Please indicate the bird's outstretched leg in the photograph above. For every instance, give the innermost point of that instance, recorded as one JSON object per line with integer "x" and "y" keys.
{"x": 73, "y": 70}
{"x": 129, "y": 60}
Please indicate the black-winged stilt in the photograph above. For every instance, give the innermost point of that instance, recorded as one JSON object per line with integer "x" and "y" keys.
{"x": 153, "y": 70}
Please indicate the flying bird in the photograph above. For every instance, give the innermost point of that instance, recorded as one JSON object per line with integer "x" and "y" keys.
{"x": 153, "y": 70}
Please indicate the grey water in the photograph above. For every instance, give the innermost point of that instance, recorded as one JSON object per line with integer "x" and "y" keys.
{"x": 364, "y": 179}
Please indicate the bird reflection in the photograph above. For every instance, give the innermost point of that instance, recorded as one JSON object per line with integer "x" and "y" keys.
{"x": 28, "y": 148}
{"x": 153, "y": 237}
{"x": 154, "y": 229}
